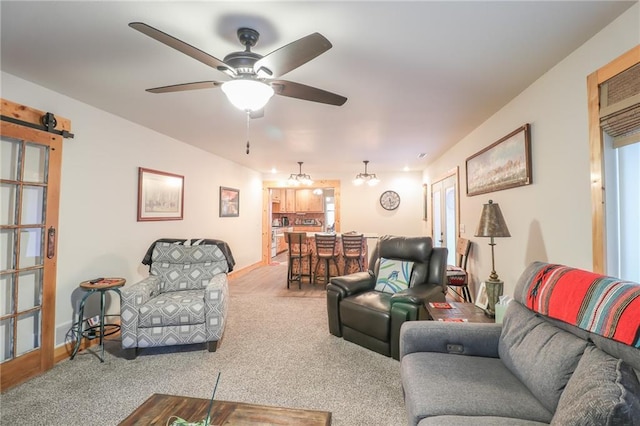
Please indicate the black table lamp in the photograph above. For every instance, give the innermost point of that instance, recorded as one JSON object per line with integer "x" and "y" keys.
{"x": 492, "y": 225}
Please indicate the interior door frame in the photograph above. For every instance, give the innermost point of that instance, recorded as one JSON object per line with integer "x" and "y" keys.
{"x": 23, "y": 123}
{"x": 454, "y": 172}
{"x": 596, "y": 148}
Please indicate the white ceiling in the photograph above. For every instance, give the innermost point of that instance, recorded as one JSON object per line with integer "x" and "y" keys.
{"x": 418, "y": 76}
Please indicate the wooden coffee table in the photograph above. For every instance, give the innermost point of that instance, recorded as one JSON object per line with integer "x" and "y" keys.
{"x": 458, "y": 311}
{"x": 158, "y": 408}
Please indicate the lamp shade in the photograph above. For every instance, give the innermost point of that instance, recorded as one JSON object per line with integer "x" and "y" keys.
{"x": 492, "y": 222}
{"x": 247, "y": 95}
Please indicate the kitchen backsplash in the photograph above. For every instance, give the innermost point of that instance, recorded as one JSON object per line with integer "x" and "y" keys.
{"x": 308, "y": 219}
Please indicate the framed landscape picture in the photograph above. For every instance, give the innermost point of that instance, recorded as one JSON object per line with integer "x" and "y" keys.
{"x": 229, "y": 202}
{"x": 502, "y": 165}
{"x": 160, "y": 195}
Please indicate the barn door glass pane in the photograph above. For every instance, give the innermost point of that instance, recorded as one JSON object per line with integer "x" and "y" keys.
{"x": 32, "y": 208}
{"x": 29, "y": 291}
{"x": 6, "y": 291}
{"x": 35, "y": 162}
{"x": 28, "y": 332}
{"x": 8, "y": 193}
{"x": 9, "y": 153}
{"x": 6, "y": 339}
{"x": 31, "y": 247}
{"x": 7, "y": 255}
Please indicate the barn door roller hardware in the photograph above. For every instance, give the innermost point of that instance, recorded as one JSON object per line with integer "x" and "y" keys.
{"x": 48, "y": 121}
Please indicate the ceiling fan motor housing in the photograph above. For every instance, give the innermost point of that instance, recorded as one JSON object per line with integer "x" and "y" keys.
{"x": 242, "y": 61}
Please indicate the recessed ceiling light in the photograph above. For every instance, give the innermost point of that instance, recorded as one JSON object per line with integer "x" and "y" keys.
{"x": 273, "y": 170}
{"x": 406, "y": 168}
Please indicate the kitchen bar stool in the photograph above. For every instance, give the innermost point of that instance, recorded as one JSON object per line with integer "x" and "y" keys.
{"x": 353, "y": 251}
{"x": 299, "y": 251}
{"x": 326, "y": 251}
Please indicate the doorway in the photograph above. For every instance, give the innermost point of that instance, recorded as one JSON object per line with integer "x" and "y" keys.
{"x": 267, "y": 224}
{"x": 444, "y": 205}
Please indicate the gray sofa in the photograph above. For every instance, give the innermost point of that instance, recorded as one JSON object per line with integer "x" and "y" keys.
{"x": 533, "y": 369}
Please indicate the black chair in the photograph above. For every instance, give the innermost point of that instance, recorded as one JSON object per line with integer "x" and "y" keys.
{"x": 353, "y": 251}
{"x": 372, "y": 318}
{"x": 299, "y": 252}
{"x": 326, "y": 251}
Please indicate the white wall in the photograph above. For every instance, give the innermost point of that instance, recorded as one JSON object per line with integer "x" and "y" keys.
{"x": 361, "y": 210}
{"x": 549, "y": 220}
{"x": 98, "y": 231}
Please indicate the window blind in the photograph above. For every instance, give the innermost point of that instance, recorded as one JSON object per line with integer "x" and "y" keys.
{"x": 620, "y": 107}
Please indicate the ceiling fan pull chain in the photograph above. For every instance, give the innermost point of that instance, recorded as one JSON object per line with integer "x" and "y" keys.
{"x": 248, "y": 118}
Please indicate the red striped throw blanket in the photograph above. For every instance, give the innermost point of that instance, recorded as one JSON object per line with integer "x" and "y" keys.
{"x": 603, "y": 305}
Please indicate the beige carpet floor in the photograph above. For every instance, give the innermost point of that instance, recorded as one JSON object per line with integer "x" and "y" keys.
{"x": 275, "y": 351}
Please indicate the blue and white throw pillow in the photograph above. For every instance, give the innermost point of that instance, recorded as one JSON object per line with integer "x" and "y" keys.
{"x": 393, "y": 275}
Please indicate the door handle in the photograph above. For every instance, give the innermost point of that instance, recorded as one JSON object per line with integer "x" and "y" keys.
{"x": 51, "y": 242}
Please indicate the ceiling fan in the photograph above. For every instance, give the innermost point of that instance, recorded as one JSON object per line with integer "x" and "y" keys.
{"x": 250, "y": 72}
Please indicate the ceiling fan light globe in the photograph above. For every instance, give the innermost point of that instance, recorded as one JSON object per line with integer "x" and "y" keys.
{"x": 247, "y": 95}
{"x": 358, "y": 181}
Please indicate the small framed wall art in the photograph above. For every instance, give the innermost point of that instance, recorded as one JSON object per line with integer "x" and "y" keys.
{"x": 160, "y": 195}
{"x": 502, "y": 165}
{"x": 229, "y": 202}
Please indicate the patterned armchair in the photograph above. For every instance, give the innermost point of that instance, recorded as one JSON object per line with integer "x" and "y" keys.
{"x": 182, "y": 301}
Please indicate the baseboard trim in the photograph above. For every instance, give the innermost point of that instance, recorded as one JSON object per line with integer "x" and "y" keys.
{"x": 245, "y": 270}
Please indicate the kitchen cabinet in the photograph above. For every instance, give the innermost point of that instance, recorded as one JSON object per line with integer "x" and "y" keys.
{"x": 289, "y": 201}
{"x": 278, "y": 197}
{"x": 282, "y": 243}
{"x": 283, "y": 200}
{"x": 307, "y": 201}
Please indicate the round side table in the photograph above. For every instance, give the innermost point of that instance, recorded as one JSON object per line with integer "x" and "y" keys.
{"x": 98, "y": 330}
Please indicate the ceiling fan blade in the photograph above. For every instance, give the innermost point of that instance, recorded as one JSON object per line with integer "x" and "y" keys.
{"x": 186, "y": 86}
{"x": 183, "y": 47}
{"x": 291, "y": 56}
{"x": 307, "y": 93}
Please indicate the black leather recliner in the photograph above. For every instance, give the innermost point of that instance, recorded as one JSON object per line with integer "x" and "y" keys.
{"x": 371, "y": 318}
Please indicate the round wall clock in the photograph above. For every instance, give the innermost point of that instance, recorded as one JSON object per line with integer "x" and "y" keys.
{"x": 389, "y": 200}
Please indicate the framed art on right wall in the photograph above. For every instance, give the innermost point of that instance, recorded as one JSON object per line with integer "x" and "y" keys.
{"x": 502, "y": 165}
